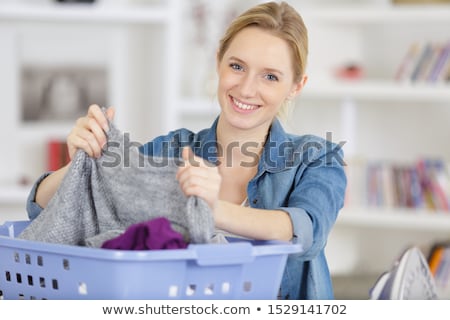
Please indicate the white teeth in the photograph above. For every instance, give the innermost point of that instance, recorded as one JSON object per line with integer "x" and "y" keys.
{"x": 243, "y": 105}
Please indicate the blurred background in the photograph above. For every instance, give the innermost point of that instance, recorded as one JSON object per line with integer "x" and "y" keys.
{"x": 378, "y": 84}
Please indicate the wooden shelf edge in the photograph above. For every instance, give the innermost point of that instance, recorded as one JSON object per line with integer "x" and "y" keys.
{"x": 373, "y": 14}
{"x": 83, "y": 13}
{"x": 404, "y": 219}
{"x": 14, "y": 194}
{"x": 377, "y": 90}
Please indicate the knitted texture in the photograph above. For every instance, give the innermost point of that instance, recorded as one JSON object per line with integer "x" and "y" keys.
{"x": 100, "y": 198}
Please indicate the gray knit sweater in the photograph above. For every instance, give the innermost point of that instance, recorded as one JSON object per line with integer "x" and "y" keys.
{"x": 99, "y": 198}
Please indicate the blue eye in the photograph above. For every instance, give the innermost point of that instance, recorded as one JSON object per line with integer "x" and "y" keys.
{"x": 236, "y": 67}
{"x": 271, "y": 77}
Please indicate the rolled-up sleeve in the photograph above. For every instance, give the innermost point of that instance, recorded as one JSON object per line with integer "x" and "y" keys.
{"x": 315, "y": 202}
{"x": 301, "y": 225}
{"x": 34, "y": 209}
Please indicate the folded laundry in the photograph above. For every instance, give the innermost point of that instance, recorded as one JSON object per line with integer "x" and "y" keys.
{"x": 155, "y": 234}
{"x": 104, "y": 196}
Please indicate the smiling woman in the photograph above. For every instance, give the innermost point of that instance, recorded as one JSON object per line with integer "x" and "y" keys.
{"x": 259, "y": 181}
{"x": 255, "y": 79}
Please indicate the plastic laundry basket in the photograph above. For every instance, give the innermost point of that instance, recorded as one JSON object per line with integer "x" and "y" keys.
{"x": 238, "y": 270}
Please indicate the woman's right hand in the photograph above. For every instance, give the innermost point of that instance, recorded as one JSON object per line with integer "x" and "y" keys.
{"x": 88, "y": 133}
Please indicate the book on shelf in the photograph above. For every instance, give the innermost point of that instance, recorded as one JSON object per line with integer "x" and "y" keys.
{"x": 423, "y": 59}
{"x": 440, "y": 68}
{"x": 408, "y": 62}
{"x": 425, "y": 62}
{"x": 423, "y": 184}
{"x": 439, "y": 263}
{"x": 57, "y": 154}
{"x": 430, "y": 64}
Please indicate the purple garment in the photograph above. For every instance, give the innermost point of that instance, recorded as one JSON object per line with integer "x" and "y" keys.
{"x": 153, "y": 234}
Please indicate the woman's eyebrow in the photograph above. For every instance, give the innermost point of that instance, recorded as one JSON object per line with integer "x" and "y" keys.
{"x": 237, "y": 59}
{"x": 272, "y": 70}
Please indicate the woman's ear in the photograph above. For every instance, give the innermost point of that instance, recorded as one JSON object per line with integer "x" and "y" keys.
{"x": 298, "y": 87}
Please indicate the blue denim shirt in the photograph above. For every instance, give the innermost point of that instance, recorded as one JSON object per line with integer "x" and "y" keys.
{"x": 302, "y": 175}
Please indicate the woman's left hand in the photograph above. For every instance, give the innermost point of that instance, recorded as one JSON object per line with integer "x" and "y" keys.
{"x": 199, "y": 178}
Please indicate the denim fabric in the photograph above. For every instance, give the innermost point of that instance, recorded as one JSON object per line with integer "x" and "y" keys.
{"x": 34, "y": 209}
{"x": 302, "y": 175}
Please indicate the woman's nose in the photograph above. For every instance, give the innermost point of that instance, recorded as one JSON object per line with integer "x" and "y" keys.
{"x": 248, "y": 86}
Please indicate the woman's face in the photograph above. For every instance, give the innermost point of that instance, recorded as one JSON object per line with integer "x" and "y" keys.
{"x": 255, "y": 78}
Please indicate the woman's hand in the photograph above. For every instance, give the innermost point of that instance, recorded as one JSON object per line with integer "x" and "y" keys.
{"x": 199, "y": 178}
{"x": 88, "y": 133}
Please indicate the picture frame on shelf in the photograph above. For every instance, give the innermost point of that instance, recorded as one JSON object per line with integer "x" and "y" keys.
{"x": 61, "y": 93}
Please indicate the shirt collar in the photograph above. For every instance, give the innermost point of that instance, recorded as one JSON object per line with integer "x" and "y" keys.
{"x": 278, "y": 149}
{"x": 277, "y": 154}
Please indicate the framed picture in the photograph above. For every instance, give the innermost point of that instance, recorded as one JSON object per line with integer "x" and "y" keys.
{"x": 61, "y": 93}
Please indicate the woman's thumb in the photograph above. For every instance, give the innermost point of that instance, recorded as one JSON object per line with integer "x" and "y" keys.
{"x": 186, "y": 154}
{"x": 110, "y": 112}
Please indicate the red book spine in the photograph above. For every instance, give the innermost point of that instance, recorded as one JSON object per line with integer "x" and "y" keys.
{"x": 57, "y": 154}
{"x": 52, "y": 155}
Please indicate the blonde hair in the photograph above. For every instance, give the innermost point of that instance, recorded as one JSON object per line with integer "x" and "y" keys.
{"x": 282, "y": 21}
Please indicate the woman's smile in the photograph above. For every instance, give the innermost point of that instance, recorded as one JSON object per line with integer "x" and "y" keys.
{"x": 243, "y": 107}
